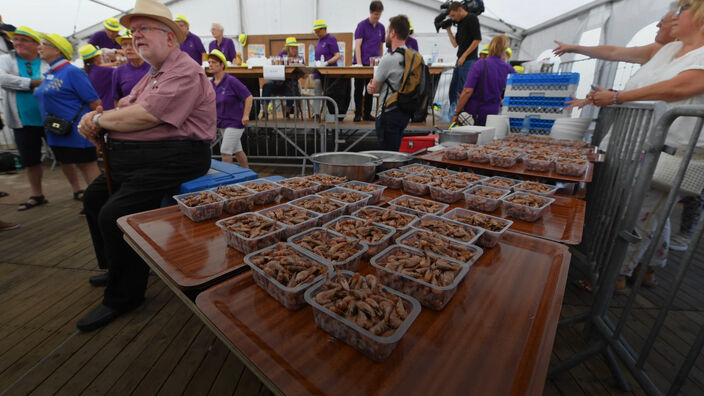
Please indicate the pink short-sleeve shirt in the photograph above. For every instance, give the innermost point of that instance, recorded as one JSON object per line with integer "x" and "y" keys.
{"x": 181, "y": 96}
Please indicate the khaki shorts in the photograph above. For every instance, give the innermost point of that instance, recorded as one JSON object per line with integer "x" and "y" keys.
{"x": 231, "y": 140}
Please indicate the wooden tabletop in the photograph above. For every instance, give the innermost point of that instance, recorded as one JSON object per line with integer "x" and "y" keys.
{"x": 494, "y": 337}
{"x": 563, "y": 222}
{"x": 519, "y": 169}
{"x": 331, "y": 71}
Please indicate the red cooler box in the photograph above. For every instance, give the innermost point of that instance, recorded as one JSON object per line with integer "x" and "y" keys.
{"x": 411, "y": 144}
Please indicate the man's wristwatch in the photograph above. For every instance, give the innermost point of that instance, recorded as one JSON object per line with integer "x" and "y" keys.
{"x": 96, "y": 120}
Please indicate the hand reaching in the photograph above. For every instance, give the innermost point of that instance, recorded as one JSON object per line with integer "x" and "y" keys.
{"x": 563, "y": 48}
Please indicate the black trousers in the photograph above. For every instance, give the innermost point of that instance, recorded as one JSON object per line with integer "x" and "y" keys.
{"x": 141, "y": 175}
{"x": 360, "y": 86}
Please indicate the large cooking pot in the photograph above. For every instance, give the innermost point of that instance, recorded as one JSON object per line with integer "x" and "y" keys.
{"x": 354, "y": 166}
{"x": 393, "y": 159}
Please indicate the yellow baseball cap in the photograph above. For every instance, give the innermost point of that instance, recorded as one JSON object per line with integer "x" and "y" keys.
{"x": 291, "y": 42}
{"x": 182, "y": 18}
{"x": 89, "y": 51}
{"x": 509, "y": 51}
{"x": 218, "y": 54}
{"x": 112, "y": 24}
{"x": 25, "y": 31}
{"x": 485, "y": 50}
{"x": 242, "y": 38}
{"x": 319, "y": 24}
{"x": 127, "y": 35}
{"x": 60, "y": 43}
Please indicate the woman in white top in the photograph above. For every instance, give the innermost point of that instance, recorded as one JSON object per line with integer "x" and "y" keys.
{"x": 675, "y": 75}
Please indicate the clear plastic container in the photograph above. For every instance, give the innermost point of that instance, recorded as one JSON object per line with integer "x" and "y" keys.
{"x": 426, "y": 241}
{"x": 524, "y": 212}
{"x": 574, "y": 168}
{"x": 448, "y": 195}
{"x": 486, "y": 204}
{"x": 266, "y": 191}
{"x": 236, "y": 204}
{"x": 293, "y": 229}
{"x": 470, "y": 177}
{"x": 439, "y": 172}
{"x": 375, "y": 347}
{"x": 373, "y": 247}
{"x": 501, "y": 182}
{"x": 200, "y": 212}
{"x": 392, "y": 178}
{"x": 432, "y": 207}
{"x": 490, "y": 237}
{"x": 416, "y": 168}
{"x": 351, "y": 263}
{"x": 536, "y": 188}
{"x": 429, "y": 295}
{"x": 455, "y": 154}
{"x": 245, "y": 244}
{"x": 290, "y": 297}
{"x": 417, "y": 184}
{"x": 503, "y": 159}
{"x": 290, "y": 191}
{"x": 324, "y": 217}
{"x": 326, "y": 181}
{"x": 474, "y": 233}
{"x": 537, "y": 163}
{"x": 479, "y": 155}
{"x": 350, "y": 205}
{"x": 376, "y": 190}
{"x": 369, "y": 212}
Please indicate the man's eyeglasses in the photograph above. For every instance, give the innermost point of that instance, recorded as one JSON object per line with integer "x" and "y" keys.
{"x": 144, "y": 30}
{"x": 682, "y": 8}
{"x": 19, "y": 39}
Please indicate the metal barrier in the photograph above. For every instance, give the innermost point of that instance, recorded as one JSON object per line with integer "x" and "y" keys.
{"x": 283, "y": 139}
{"x": 636, "y": 144}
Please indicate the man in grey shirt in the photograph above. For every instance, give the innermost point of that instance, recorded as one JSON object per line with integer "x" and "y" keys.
{"x": 392, "y": 121}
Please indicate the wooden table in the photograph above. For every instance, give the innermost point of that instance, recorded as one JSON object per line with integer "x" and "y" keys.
{"x": 519, "y": 169}
{"x": 329, "y": 71}
{"x": 494, "y": 337}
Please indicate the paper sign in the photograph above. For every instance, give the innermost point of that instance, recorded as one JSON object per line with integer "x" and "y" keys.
{"x": 275, "y": 73}
{"x": 255, "y": 50}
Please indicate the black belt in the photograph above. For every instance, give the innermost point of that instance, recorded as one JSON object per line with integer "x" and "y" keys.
{"x": 116, "y": 144}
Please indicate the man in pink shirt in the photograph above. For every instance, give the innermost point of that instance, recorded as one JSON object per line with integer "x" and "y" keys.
{"x": 158, "y": 138}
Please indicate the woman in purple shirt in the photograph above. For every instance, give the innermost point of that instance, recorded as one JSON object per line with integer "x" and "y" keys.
{"x": 100, "y": 76}
{"x": 233, "y": 101}
{"x": 222, "y": 44}
{"x": 126, "y": 76}
{"x": 486, "y": 81}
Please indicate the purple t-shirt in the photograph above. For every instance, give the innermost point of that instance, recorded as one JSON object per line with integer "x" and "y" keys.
{"x": 229, "y": 99}
{"x": 327, "y": 47}
{"x": 101, "y": 78}
{"x": 126, "y": 77}
{"x": 372, "y": 37}
{"x": 100, "y": 39}
{"x": 227, "y": 47}
{"x": 494, "y": 84}
{"x": 410, "y": 43}
{"x": 193, "y": 47}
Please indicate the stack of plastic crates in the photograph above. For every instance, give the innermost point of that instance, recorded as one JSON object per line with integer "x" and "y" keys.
{"x": 534, "y": 101}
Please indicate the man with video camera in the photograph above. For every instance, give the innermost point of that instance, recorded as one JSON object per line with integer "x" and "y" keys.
{"x": 466, "y": 41}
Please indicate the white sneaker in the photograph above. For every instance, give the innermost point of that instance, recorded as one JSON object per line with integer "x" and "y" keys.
{"x": 679, "y": 243}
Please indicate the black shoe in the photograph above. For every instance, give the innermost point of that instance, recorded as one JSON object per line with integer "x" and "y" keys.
{"x": 99, "y": 280}
{"x": 369, "y": 118}
{"x": 357, "y": 119}
{"x": 97, "y": 318}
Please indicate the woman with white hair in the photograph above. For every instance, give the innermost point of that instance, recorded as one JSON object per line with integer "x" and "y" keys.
{"x": 221, "y": 43}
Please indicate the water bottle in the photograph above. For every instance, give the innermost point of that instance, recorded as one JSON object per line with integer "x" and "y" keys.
{"x": 322, "y": 61}
{"x": 18, "y": 164}
{"x": 525, "y": 128}
{"x": 436, "y": 53}
{"x": 311, "y": 55}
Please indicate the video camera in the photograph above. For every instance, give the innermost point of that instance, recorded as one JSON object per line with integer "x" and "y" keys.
{"x": 443, "y": 21}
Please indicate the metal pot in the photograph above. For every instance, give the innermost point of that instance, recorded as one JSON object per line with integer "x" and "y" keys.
{"x": 455, "y": 138}
{"x": 393, "y": 159}
{"x": 354, "y": 166}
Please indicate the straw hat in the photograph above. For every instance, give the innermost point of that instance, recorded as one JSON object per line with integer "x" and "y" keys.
{"x": 485, "y": 50}
{"x": 219, "y": 55}
{"x": 509, "y": 51}
{"x": 242, "y": 38}
{"x": 154, "y": 10}
{"x": 89, "y": 51}
{"x": 410, "y": 22}
{"x": 125, "y": 36}
{"x": 60, "y": 43}
{"x": 112, "y": 24}
{"x": 319, "y": 24}
{"x": 25, "y": 31}
{"x": 181, "y": 18}
{"x": 291, "y": 42}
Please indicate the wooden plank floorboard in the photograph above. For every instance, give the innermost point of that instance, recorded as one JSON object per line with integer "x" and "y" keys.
{"x": 189, "y": 363}
{"x": 204, "y": 378}
{"x": 229, "y": 376}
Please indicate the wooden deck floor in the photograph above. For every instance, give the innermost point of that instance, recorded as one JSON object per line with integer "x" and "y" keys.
{"x": 161, "y": 348}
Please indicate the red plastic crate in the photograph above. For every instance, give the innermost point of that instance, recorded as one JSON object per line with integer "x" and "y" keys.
{"x": 411, "y": 144}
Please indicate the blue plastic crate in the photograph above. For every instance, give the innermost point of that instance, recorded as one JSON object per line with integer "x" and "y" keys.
{"x": 543, "y": 79}
{"x": 536, "y": 126}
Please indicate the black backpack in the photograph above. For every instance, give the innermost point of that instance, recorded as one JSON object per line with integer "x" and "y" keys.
{"x": 414, "y": 88}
